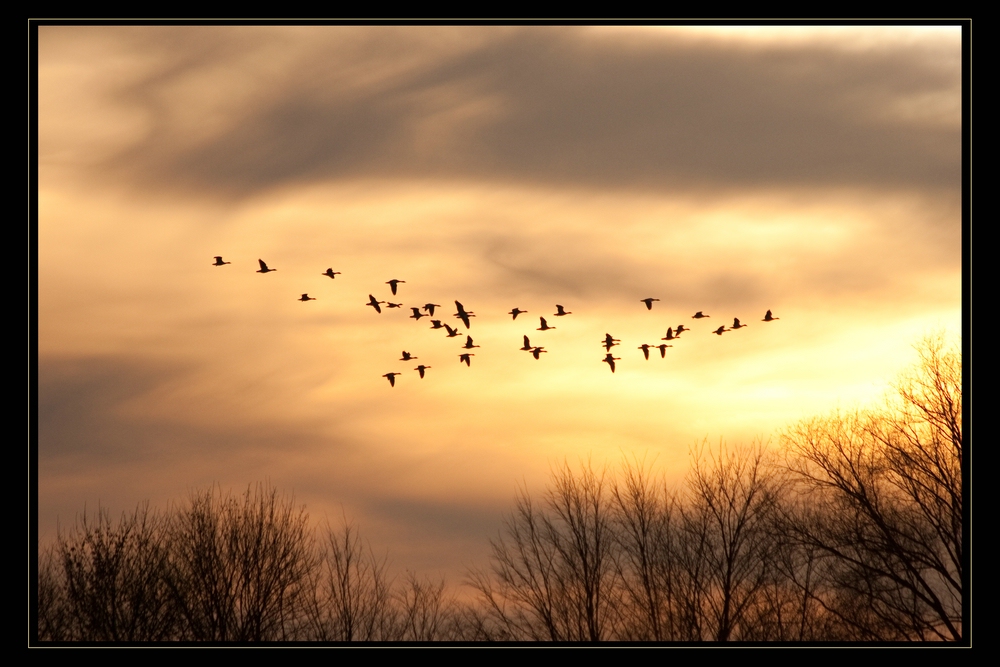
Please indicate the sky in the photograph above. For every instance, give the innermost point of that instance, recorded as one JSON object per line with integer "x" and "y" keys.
{"x": 811, "y": 171}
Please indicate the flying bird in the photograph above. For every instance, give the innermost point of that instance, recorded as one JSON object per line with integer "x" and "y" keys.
{"x": 645, "y": 350}
{"x": 390, "y": 304}
{"x": 331, "y": 273}
{"x": 452, "y": 332}
{"x": 720, "y": 330}
{"x": 429, "y": 307}
{"x": 698, "y": 316}
{"x": 663, "y": 350}
{"x": 736, "y": 324}
{"x": 421, "y": 368}
{"x": 306, "y": 297}
{"x": 669, "y": 336}
{"x": 468, "y": 343}
{"x": 263, "y": 267}
{"x": 610, "y": 361}
{"x": 416, "y": 313}
{"x": 464, "y": 315}
{"x": 537, "y": 351}
{"x": 219, "y": 262}
{"x": 392, "y": 378}
{"x": 609, "y": 342}
{"x": 407, "y": 356}
{"x": 649, "y": 302}
{"x": 768, "y": 318}
{"x": 374, "y": 304}
{"x": 545, "y": 325}
{"x": 437, "y": 324}
{"x": 392, "y": 283}
{"x": 465, "y": 357}
{"x": 527, "y": 345}
{"x": 516, "y": 312}
{"x": 680, "y": 329}
{"x": 560, "y": 312}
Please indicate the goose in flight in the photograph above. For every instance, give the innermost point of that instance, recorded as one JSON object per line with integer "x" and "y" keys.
{"x": 527, "y": 345}
{"x": 663, "y": 350}
{"x": 390, "y": 304}
{"x": 680, "y": 329}
{"x": 452, "y": 332}
{"x": 306, "y": 297}
{"x": 219, "y": 262}
{"x": 421, "y": 368}
{"x": 669, "y": 336}
{"x": 468, "y": 343}
{"x": 720, "y": 330}
{"x": 560, "y": 312}
{"x": 545, "y": 325}
{"x": 537, "y": 351}
{"x": 374, "y": 304}
{"x": 610, "y": 361}
{"x": 699, "y": 315}
{"x": 464, "y": 315}
{"x": 465, "y": 357}
{"x": 407, "y": 356}
{"x": 263, "y": 267}
{"x": 429, "y": 307}
{"x": 645, "y": 350}
{"x": 331, "y": 273}
{"x": 516, "y": 312}
{"x": 392, "y": 283}
{"x": 649, "y": 302}
{"x": 416, "y": 313}
{"x": 609, "y": 342}
{"x": 437, "y": 324}
{"x": 392, "y": 378}
{"x": 736, "y": 324}
{"x": 768, "y": 318}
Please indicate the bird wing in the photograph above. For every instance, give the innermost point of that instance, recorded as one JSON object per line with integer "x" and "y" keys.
{"x": 263, "y": 266}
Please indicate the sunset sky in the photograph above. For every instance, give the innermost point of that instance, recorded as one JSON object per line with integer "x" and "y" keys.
{"x": 812, "y": 171}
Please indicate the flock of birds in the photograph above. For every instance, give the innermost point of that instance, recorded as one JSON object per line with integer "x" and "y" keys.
{"x": 535, "y": 350}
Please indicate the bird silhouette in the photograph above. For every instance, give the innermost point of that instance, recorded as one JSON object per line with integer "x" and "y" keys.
{"x": 649, "y": 302}
{"x": 698, "y": 316}
{"x": 392, "y": 378}
{"x": 720, "y": 330}
{"x": 392, "y": 284}
{"x": 669, "y": 336}
{"x": 545, "y": 325}
{"x": 464, "y": 315}
{"x": 390, "y": 304}
{"x": 468, "y": 343}
{"x": 560, "y": 312}
{"x": 219, "y": 262}
{"x": 263, "y": 267}
{"x": 645, "y": 350}
{"x": 516, "y": 312}
{"x": 736, "y": 324}
{"x": 527, "y": 345}
{"x": 331, "y": 273}
{"x": 679, "y": 330}
{"x": 610, "y": 361}
{"x": 537, "y": 351}
{"x": 609, "y": 342}
{"x": 429, "y": 307}
{"x": 416, "y": 313}
{"x": 374, "y": 304}
{"x": 452, "y": 332}
{"x": 421, "y": 368}
{"x": 437, "y": 324}
{"x": 407, "y": 356}
{"x": 306, "y": 297}
{"x": 768, "y": 318}
{"x": 663, "y": 350}
{"x": 465, "y": 357}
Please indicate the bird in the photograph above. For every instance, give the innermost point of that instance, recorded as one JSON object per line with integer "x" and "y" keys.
{"x": 698, "y": 316}
{"x": 768, "y": 318}
{"x": 649, "y": 302}
{"x": 609, "y": 342}
{"x": 516, "y": 312}
{"x": 736, "y": 324}
{"x": 374, "y": 304}
{"x": 610, "y": 361}
{"x": 537, "y": 351}
{"x": 392, "y": 283}
{"x": 416, "y": 313}
{"x": 468, "y": 343}
{"x": 452, "y": 332}
{"x": 465, "y": 357}
{"x": 645, "y": 350}
{"x": 663, "y": 350}
{"x": 421, "y": 368}
{"x": 429, "y": 307}
{"x": 437, "y": 324}
{"x": 669, "y": 336}
{"x": 545, "y": 325}
{"x": 392, "y": 378}
{"x": 680, "y": 329}
{"x": 527, "y": 345}
{"x": 407, "y": 356}
{"x": 263, "y": 267}
{"x": 306, "y": 297}
{"x": 331, "y": 273}
{"x": 720, "y": 330}
{"x": 219, "y": 262}
{"x": 464, "y": 315}
{"x": 560, "y": 312}
{"x": 390, "y": 304}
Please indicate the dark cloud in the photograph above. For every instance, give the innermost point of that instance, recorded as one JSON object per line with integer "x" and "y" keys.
{"x": 547, "y": 106}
